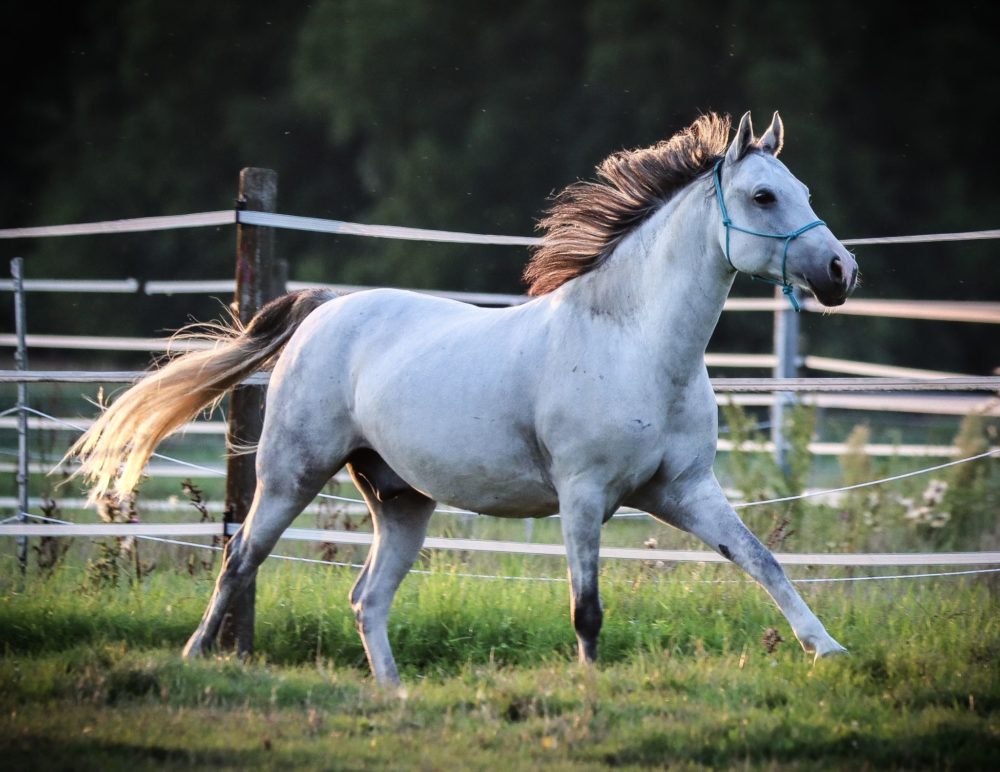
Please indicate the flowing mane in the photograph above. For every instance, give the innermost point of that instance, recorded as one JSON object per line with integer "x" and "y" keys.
{"x": 588, "y": 219}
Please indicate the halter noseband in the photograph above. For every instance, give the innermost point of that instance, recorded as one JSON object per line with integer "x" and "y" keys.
{"x": 786, "y": 288}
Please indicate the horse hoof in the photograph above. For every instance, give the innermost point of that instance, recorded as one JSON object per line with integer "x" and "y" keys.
{"x": 832, "y": 650}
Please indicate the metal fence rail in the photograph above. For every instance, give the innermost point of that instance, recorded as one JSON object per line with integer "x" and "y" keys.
{"x": 340, "y": 227}
{"x": 981, "y": 312}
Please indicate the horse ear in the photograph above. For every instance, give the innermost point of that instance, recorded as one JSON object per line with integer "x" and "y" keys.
{"x": 774, "y": 137}
{"x": 743, "y": 140}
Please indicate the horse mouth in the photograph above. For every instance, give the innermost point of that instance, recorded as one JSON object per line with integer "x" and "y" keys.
{"x": 829, "y": 298}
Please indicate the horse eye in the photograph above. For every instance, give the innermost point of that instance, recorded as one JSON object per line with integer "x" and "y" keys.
{"x": 764, "y": 197}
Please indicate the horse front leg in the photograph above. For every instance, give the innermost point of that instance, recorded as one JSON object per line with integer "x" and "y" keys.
{"x": 700, "y": 507}
{"x": 581, "y": 518}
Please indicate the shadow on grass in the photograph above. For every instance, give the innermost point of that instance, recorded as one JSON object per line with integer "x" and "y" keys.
{"x": 39, "y": 752}
{"x": 949, "y": 745}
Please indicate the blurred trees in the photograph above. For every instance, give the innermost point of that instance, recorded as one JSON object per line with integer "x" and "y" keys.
{"x": 446, "y": 115}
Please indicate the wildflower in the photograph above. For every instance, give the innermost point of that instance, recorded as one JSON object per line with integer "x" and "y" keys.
{"x": 935, "y": 492}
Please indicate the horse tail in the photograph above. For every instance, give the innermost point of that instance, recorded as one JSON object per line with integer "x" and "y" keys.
{"x": 114, "y": 451}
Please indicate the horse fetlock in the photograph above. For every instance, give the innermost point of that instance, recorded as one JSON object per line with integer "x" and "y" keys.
{"x": 588, "y": 617}
{"x": 829, "y": 649}
{"x": 587, "y": 650}
{"x": 386, "y": 674}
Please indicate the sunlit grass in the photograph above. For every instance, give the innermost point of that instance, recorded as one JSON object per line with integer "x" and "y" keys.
{"x": 91, "y": 676}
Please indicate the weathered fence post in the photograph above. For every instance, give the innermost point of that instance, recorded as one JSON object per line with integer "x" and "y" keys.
{"x": 259, "y": 279}
{"x": 21, "y": 362}
{"x": 786, "y": 353}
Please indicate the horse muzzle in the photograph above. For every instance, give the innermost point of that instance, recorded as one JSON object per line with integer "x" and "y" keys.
{"x": 833, "y": 279}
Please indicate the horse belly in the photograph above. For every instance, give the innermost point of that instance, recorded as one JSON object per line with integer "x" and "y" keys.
{"x": 471, "y": 463}
{"x": 504, "y": 498}
{"x": 488, "y": 475}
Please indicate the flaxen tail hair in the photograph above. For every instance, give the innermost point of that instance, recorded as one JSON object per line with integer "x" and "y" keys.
{"x": 114, "y": 451}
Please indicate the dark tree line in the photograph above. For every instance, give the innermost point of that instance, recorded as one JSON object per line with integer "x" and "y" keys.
{"x": 457, "y": 116}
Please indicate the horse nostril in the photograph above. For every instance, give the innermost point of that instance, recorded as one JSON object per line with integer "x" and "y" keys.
{"x": 837, "y": 270}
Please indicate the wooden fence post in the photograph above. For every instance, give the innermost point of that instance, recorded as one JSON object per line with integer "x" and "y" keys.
{"x": 259, "y": 279}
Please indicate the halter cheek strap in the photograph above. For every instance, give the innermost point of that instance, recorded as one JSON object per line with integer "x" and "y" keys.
{"x": 786, "y": 287}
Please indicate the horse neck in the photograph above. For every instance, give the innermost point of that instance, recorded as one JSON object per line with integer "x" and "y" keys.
{"x": 668, "y": 280}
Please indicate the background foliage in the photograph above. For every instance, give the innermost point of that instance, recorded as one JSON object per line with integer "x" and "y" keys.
{"x": 445, "y": 115}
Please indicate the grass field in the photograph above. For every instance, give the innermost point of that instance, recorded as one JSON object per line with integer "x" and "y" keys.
{"x": 90, "y": 675}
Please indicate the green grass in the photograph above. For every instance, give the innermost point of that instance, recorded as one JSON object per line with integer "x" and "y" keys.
{"x": 90, "y": 677}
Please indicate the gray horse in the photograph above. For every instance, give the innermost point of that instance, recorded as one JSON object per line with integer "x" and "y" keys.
{"x": 591, "y": 396}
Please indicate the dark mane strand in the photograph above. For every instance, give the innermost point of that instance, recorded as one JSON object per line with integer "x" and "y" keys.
{"x": 588, "y": 219}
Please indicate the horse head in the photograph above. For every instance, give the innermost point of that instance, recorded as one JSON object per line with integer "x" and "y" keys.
{"x": 769, "y": 230}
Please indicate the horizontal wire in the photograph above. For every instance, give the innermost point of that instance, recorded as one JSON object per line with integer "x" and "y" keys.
{"x": 738, "y": 505}
{"x": 464, "y": 575}
{"x": 869, "y": 483}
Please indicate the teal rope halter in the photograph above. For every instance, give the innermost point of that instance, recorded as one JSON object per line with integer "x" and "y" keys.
{"x": 786, "y": 287}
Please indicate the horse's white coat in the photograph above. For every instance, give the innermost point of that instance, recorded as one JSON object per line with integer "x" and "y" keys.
{"x": 584, "y": 399}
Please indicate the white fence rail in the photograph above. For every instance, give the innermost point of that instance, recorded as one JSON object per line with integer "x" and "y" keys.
{"x": 829, "y": 392}
{"x": 513, "y": 547}
{"x": 982, "y": 312}
{"x": 294, "y": 222}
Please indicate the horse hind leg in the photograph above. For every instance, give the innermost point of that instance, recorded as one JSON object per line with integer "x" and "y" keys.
{"x": 400, "y": 516}
{"x": 280, "y": 496}
{"x": 379, "y": 483}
